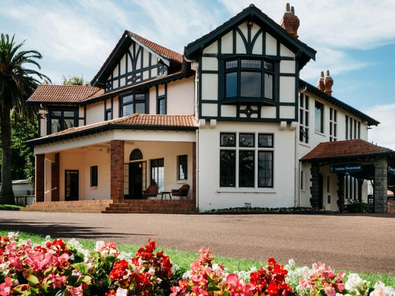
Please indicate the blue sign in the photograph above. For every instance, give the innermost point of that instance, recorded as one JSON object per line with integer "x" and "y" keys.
{"x": 345, "y": 168}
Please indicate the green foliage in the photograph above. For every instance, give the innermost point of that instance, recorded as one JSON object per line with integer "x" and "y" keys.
{"x": 75, "y": 80}
{"x": 10, "y": 208}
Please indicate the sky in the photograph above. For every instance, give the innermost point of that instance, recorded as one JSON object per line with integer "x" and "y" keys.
{"x": 354, "y": 39}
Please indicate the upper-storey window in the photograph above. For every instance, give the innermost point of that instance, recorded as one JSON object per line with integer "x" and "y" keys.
{"x": 304, "y": 124}
{"x": 319, "y": 117}
{"x": 61, "y": 119}
{"x": 249, "y": 79}
{"x": 332, "y": 124}
{"x": 133, "y": 103}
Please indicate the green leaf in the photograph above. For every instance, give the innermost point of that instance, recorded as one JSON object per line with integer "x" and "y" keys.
{"x": 81, "y": 267}
{"x": 32, "y": 279}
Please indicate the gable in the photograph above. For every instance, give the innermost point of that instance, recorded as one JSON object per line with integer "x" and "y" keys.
{"x": 135, "y": 60}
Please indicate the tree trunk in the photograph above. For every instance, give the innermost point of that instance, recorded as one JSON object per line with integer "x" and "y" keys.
{"x": 6, "y": 193}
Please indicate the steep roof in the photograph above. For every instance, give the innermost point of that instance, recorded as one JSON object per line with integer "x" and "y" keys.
{"x": 314, "y": 90}
{"x": 123, "y": 44}
{"x": 257, "y": 16}
{"x": 345, "y": 149}
{"x": 135, "y": 121}
{"x": 48, "y": 93}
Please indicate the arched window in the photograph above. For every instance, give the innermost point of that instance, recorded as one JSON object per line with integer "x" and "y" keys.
{"x": 136, "y": 155}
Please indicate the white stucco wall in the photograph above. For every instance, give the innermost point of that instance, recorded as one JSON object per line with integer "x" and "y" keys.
{"x": 95, "y": 112}
{"x": 211, "y": 196}
{"x": 180, "y": 96}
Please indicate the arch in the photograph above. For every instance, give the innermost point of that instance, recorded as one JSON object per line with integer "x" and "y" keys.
{"x": 136, "y": 155}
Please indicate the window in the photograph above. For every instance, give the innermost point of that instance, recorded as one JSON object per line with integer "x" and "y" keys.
{"x": 332, "y": 125}
{"x": 161, "y": 105}
{"x": 61, "y": 119}
{"x": 246, "y": 161}
{"x": 94, "y": 176}
{"x": 182, "y": 167}
{"x": 319, "y": 117}
{"x": 304, "y": 119}
{"x": 133, "y": 103}
{"x": 108, "y": 109}
{"x": 158, "y": 173}
{"x": 302, "y": 180}
{"x": 249, "y": 79}
{"x": 353, "y": 128}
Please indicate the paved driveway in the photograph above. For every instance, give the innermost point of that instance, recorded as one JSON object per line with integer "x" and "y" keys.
{"x": 352, "y": 242}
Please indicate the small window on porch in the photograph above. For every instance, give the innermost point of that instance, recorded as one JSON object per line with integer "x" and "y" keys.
{"x": 182, "y": 167}
{"x": 94, "y": 176}
{"x": 158, "y": 173}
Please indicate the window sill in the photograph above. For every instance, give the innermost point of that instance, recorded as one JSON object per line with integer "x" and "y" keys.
{"x": 94, "y": 188}
{"x": 258, "y": 101}
{"x": 247, "y": 190}
{"x": 319, "y": 133}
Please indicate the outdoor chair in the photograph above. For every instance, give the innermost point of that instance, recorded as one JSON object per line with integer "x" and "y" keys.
{"x": 182, "y": 191}
{"x": 152, "y": 190}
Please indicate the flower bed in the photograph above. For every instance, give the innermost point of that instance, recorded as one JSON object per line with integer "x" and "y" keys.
{"x": 65, "y": 268}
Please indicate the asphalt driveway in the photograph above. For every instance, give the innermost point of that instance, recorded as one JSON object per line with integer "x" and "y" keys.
{"x": 361, "y": 243}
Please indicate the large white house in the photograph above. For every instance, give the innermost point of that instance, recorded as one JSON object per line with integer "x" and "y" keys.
{"x": 230, "y": 118}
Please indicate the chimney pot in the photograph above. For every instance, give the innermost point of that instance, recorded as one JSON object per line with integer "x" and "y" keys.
{"x": 328, "y": 83}
{"x": 290, "y": 22}
{"x": 321, "y": 83}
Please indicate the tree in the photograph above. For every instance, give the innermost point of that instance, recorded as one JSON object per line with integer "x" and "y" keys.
{"x": 75, "y": 80}
{"x": 17, "y": 83}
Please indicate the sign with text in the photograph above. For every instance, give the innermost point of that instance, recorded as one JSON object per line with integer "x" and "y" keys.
{"x": 345, "y": 168}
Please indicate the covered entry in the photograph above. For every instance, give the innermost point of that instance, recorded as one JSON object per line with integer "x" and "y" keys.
{"x": 357, "y": 159}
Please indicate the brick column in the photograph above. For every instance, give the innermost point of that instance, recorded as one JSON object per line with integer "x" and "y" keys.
{"x": 315, "y": 188}
{"x": 380, "y": 186}
{"x": 194, "y": 172}
{"x": 40, "y": 177}
{"x": 117, "y": 169}
{"x": 55, "y": 179}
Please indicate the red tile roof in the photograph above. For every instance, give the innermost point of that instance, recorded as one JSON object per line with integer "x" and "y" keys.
{"x": 48, "y": 93}
{"x": 134, "y": 121}
{"x": 163, "y": 51}
{"x": 341, "y": 149}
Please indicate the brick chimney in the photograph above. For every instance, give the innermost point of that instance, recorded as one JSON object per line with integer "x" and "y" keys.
{"x": 328, "y": 83}
{"x": 321, "y": 83}
{"x": 290, "y": 22}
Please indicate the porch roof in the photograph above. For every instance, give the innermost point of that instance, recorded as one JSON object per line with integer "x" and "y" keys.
{"x": 48, "y": 93}
{"x": 346, "y": 149}
{"x": 135, "y": 121}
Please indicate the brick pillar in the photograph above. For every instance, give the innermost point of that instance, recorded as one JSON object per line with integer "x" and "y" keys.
{"x": 55, "y": 179}
{"x": 380, "y": 186}
{"x": 40, "y": 177}
{"x": 315, "y": 188}
{"x": 117, "y": 169}
{"x": 340, "y": 192}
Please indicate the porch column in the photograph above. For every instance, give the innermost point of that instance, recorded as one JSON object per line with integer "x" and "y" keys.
{"x": 340, "y": 192}
{"x": 314, "y": 189}
{"x": 194, "y": 172}
{"x": 55, "y": 179}
{"x": 380, "y": 186}
{"x": 39, "y": 187}
{"x": 117, "y": 169}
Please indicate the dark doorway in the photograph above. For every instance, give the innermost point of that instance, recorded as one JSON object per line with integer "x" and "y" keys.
{"x": 321, "y": 191}
{"x": 136, "y": 180}
{"x": 71, "y": 185}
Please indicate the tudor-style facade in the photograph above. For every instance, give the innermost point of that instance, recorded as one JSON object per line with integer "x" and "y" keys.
{"x": 231, "y": 119}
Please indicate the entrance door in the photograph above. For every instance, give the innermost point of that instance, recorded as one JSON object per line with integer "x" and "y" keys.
{"x": 71, "y": 185}
{"x": 136, "y": 180}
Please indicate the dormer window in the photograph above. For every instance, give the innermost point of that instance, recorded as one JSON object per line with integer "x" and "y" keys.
{"x": 249, "y": 80}
{"x": 133, "y": 103}
{"x": 61, "y": 119}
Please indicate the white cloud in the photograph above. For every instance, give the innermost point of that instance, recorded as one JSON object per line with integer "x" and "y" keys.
{"x": 383, "y": 134}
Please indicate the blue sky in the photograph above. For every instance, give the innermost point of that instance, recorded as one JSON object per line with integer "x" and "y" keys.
{"x": 354, "y": 39}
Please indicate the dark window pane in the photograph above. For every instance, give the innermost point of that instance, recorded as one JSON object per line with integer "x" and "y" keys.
{"x": 250, "y": 84}
{"x": 268, "y": 66}
{"x": 265, "y": 169}
{"x": 253, "y": 64}
{"x": 161, "y": 106}
{"x": 55, "y": 125}
{"x": 139, "y": 97}
{"x": 158, "y": 173}
{"x": 127, "y": 110}
{"x": 268, "y": 86}
{"x": 265, "y": 140}
{"x": 69, "y": 114}
{"x": 228, "y": 139}
{"x": 68, "y": 123}
{"x": 56, "y": 113}
{"x": 140, "y": 108}
{"x": 246, "y": 168}
{"x": 231, "y": 84}
{"x": 182, "y": 167}
{"x": 127, "y": 99}
{"x": 247, "y": 140}
{"x": 319, "y": 117}
{"x": 227, "y": 168}
{"x": 94, "y": 176}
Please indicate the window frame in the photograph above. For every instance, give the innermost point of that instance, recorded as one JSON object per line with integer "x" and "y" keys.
{"x": 61, "y": 118}
{"x": 94, "y": 176}
{"x": 185, "y": 169}
{"x": 157, "y": 167}
{"x": 240, "y": 66}
{"x": 304, "y": 120}
{"x": 319, "y": 128}
{"x": 133, "y": 102}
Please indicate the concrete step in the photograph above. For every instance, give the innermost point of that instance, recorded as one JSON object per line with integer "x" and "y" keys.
{"x": 79, "y": 206}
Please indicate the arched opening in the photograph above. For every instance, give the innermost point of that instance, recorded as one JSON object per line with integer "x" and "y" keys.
{"x": 137, "y": 175}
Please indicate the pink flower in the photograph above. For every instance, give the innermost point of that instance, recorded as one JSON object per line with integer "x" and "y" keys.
{"x": 76, "y": 291}
{"x": 5, "y": 288}
{"x": 329, "y": 290}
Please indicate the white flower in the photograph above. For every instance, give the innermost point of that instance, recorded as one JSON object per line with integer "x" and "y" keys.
{"x": 99, "y": 246}
{"x": 381, "y": 290}
{"x": 13, "y": 235}
{"x": 122, "y": 292}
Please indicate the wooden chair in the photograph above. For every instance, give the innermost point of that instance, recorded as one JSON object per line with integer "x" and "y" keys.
{"x": 152, "y": 190}
{"x": 182, "y": 191}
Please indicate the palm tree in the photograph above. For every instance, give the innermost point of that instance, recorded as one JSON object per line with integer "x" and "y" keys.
{"x": 17, "y": 83}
